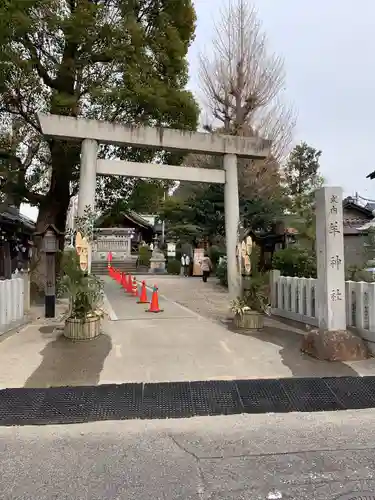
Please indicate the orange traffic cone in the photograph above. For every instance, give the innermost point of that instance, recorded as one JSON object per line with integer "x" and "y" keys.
{"x": 123, "y": 281}
{"x": 129, "y": 286}
{"x": 143, "y": 297}
{"x": 134, "y": 288}
{"x": 154, "y": 306}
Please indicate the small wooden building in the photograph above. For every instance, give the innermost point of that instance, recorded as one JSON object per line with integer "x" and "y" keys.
{"x": 354, "y": 217}
{"x": 269, "y": 242}
{"x": 16, "y": 232}
{"x": 121, "y": 234}
{"x": 138, "y": 227}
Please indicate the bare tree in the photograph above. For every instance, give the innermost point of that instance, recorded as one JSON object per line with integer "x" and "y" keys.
{"x": 276, "y": 123}
{"x": 242, "y": 83}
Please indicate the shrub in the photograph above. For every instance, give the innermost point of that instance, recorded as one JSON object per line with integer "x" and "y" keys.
{"x": 144, "y": 256}
{"x": 173, "y": 266}
{"x": 222, "y": 273}
{"x": 357, "y": 273}
{"x": 85, "y": 291}
{"x": 257, "y": 293}
{"x": 295, "y": 261}
{"x": 215, "y": 252}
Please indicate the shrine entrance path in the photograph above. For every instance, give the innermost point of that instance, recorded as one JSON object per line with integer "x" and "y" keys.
{"x": 179, "y": 343}
{"x": 188, "y": 341}
{"x": 191, "y": 340}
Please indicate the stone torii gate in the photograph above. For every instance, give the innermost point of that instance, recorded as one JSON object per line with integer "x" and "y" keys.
{"x": 93, "y": 132}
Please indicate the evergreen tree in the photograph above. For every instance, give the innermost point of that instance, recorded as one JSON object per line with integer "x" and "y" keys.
{"x": 302, "y": 175}
{"x": 116, "y": 60}
{"x": 302, "y": 178}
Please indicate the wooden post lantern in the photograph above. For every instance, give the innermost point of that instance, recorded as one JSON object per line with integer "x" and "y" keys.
{"x": 50, "y": 246}
{"x": 50, "y": 242}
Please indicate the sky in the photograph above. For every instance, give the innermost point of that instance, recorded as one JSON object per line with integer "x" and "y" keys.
{"x": 328, "y": 47}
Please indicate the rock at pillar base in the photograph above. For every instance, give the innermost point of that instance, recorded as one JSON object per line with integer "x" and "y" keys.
{"x": 339, "y": 345}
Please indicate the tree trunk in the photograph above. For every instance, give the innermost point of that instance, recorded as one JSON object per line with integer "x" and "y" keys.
{"x": 54, "y": 208}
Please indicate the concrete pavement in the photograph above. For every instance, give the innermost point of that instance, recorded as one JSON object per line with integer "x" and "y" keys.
{"x": 137, "y": 347}
{"x": 294, "y": 456}
{"x": 291, "y": 456}
{"x": 188, "y": 341}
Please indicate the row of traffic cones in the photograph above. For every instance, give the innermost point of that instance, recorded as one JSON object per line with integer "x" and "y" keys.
{"x": 129, "y": 284}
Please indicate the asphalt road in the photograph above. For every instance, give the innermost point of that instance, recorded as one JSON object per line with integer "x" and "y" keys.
{"x": 290, "y": 456}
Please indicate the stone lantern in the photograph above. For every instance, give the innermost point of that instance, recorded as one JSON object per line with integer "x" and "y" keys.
{"x": 50, "y": 246}
{"x": 157, "y": 261}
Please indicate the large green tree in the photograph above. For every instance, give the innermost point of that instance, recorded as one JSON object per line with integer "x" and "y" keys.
{"x": 302, "y": 177}
{"x": 302, "y": 174}
{"x": 180, "y": 219}
{"x": 201, "y": 213}
{"x": 119, "y": 60}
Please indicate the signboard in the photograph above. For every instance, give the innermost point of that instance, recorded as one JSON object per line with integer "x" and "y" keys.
{"x": 198, "y": 256}
{"x": 82, "y": 248}
{"x": 171, "y": 249}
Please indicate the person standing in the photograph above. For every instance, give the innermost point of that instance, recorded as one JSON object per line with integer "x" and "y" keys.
{"x": 206, "y": 267}
{"x": 185, "y": 262}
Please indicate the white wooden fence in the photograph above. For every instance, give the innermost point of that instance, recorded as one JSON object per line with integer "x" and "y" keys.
{"x": 12, "y": 300}
{"x": 295, "y": 298}
{"x": 360, "y": 309}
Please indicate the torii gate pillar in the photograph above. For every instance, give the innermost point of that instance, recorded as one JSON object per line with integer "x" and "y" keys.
{"x": 94, "y": 132}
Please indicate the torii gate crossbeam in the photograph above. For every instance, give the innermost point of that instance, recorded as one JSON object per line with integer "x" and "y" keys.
{"x": 94, "y": 132}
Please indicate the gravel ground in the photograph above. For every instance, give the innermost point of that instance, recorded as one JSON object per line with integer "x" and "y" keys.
{"x": 209, "y": 299}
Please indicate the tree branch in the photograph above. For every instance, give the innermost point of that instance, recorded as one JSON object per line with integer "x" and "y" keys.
{"x": 241, "y": 82}
{"x": 20, "y": 112}
{"x": 42, "y": 72}
{"x": 33, "y": 198}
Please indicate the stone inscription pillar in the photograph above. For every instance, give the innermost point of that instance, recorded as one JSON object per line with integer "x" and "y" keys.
{"x": 332, "y": 341}
{"x": 330, "y": 294}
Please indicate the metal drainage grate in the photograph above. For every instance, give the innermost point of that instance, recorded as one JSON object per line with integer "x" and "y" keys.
{"x": 263, "y": 396}
{"x": 167, "y": 400}
{"x": 310, "y": 394}
{"x": 215, "y": 398}
{"x": 353, "y": 392}
{"x": 58, "y": 405}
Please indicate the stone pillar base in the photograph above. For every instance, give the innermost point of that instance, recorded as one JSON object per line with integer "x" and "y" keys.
{"x": 338, "y": 345}
{"x": 157, "y": 270}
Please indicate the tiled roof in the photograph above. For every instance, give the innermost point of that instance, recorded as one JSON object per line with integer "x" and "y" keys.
{"x": 132, "y": 216}
{"x": 11, "y": 215}
{"x": 137, "y": 219}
